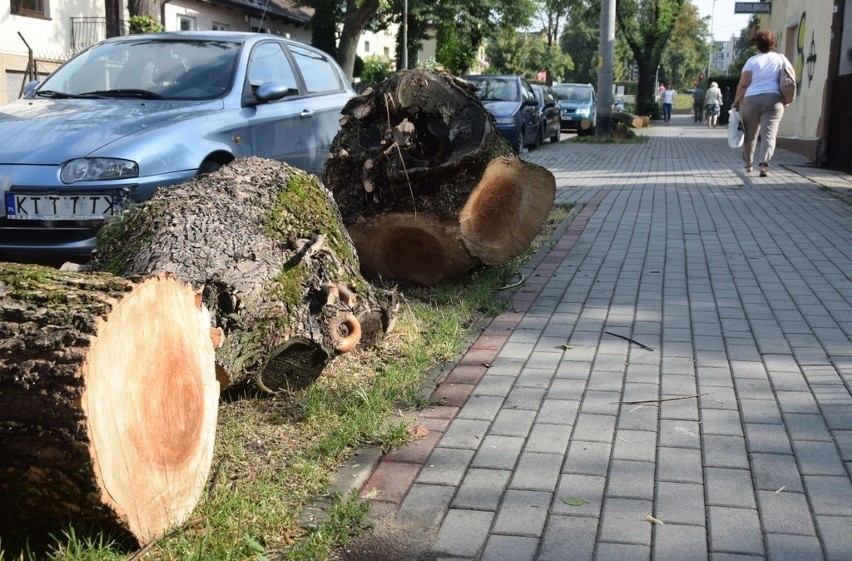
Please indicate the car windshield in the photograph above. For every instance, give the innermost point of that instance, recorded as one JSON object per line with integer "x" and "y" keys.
{"x": 148, "y": 69}
{"x": 496, "y": 89}
{"x": 576, "y": 94}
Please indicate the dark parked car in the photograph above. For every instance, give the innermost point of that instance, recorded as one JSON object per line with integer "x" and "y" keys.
{"x": 549, "y": 113}
{"x": 579, "y": 107}
{"x": 134, "y": 114}
{"x": 512, "y": 103}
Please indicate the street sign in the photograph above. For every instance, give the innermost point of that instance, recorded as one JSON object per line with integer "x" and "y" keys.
{"x": 752, "y": 7}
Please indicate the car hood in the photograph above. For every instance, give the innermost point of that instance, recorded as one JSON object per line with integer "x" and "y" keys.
{"x": 49, "y": 132}
{"x": 501, "y": 108}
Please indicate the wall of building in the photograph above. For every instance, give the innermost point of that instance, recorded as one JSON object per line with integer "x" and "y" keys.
{"x": 180, "y": 14}
{"x": 803, "y": 32}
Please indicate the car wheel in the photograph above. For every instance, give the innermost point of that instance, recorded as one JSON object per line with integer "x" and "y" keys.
{"x": 207, "y": 167}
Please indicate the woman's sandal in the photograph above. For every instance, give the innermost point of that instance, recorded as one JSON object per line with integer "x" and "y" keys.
{"x": 748, "y": 169}
{"x": 764, "y": 170}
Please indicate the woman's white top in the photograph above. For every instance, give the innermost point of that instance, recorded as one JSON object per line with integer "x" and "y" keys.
{"x": 765, "y": 71}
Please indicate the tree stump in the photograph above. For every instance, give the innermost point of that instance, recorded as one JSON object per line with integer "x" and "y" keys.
{"x": 413, "y": 153}
{"x": 266, "y": 245}
{"x": 108, "y": 401}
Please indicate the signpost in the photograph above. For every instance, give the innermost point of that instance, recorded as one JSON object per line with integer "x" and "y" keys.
{"x": 752, "y": 7}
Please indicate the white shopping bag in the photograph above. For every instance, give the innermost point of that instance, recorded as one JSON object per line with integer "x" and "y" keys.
{"x": 735, "y": 129}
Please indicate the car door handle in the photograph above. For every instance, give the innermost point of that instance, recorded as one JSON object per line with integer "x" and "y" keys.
{"x": 306, "y": 113}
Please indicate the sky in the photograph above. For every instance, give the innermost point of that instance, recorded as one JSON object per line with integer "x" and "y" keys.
{"x": 725, "y": 21}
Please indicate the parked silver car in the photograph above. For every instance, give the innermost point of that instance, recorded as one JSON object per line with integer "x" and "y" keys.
{"x": 133, "y": 114}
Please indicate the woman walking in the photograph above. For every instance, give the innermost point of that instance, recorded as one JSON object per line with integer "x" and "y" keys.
{"x": 668, "y": 101}
{"x": 758, "y": 99}
{"x": 713, "y": 104}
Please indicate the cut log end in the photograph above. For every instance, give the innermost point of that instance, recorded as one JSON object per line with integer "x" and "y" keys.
{"x": 506, "y": 209}
{"x": 421, "y": 250}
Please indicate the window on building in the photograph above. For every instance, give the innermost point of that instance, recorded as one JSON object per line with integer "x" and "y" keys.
{"x": 186, "y": 23}
{"x": 387, "y": 52}
{"x": 366, "y": 46}
{"x": 217, "y": 26}
{"x": 30, "y": 8}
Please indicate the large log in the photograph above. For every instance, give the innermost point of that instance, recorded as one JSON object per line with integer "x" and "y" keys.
{"x": 426, "y": 185}
{"x": 108, "y": 401}
{"x": 278, "y": 271}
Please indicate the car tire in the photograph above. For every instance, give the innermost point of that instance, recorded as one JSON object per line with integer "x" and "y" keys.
{"x": 207, "y": 167}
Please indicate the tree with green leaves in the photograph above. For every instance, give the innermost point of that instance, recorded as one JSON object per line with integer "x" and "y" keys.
{"x": 647, "y": 26}
{"x": 350, "y": 16}
{"x": 687, "y": 52}
{"x": 525, "y": 54}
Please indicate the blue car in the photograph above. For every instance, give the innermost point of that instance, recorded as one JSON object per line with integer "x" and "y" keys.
{"x": 134, "y": 114}
{"x": 512, "y": 103}
{"x": 579, "y": 107}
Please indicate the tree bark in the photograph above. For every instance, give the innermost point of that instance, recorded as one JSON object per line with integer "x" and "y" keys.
{"x": 266, "y": 245}
{"x": 412, "y": 155}
{"x": 108, "y": 401}
{"x": 354, "y": 22}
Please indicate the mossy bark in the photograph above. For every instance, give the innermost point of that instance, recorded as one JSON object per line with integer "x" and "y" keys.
{"x": 266, "y": 244}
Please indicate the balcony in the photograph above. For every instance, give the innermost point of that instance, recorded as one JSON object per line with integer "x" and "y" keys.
{"x": 86, "y": 31}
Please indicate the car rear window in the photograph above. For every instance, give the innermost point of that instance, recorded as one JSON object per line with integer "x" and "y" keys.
{"x": 317, "y": 70}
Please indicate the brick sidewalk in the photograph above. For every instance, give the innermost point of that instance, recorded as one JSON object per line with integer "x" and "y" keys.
{"x": 683, "y": 352}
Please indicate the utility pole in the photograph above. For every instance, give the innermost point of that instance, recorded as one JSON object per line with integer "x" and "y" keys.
{"x": 712, "y": 40}
{"x": 605, "y": 68}
{"x": 405, "y": 34}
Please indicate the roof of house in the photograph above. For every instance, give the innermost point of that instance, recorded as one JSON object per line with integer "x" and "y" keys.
{"x": 283, "y": 9}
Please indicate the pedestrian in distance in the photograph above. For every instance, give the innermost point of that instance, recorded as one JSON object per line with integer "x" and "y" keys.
{"x": 713, "y": 104}
{"x": 668, "y": 102}
{"x": 698, "y": 104}
{"x": 759, "y": 101}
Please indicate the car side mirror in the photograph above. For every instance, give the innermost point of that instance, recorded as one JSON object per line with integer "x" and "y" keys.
{"x": 30, "y": 87}
{"x": 532, "y": 102}
{"x": 273, "y": 91}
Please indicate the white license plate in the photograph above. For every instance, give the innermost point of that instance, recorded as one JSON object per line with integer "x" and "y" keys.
{"x": 48, "y": 206}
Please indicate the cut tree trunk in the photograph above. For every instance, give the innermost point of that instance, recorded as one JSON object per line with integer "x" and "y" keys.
{"x": 629, "y": 120}
{"x": 411, "y": 155}
{"x": 108, "y": 401}
{"x": 265, "y": 243}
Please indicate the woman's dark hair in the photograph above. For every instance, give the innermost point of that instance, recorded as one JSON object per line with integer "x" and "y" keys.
{"x": 764, "y": 40}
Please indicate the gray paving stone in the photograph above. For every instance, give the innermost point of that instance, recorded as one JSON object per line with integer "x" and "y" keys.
{"x": 525, "y": 398}
{"x": 426, "y": 505}
{"x": 680, "y": 503}
{"x": 718, "y": 397}
{"x": 558, "y": 411}
{"x": 843, "y": 439}
{"x": 785, "y": 513}
{"x": 566, "y": 389}
{"x": 818, "y": 458}
{"x": 481, "y": 489}
{"x": 638, "y": 417}
{"x": 620, "y": 551}
{"x": 538, "y": 378}
{"x": 797, "y": 402}
{"x": 594, "y": 428}
{"x": 676, "y": 542}
{"x": 754, "y": 388}
{"x": 835, "y": 535}
{"x": 481, "y": 407}
{"x": 729, "y": 487}
{"x": 513, "y": 422}
{"x": 463, "y": 532}
{"x": 548, "y": 438}
{"x": 838, "y": 417}
{"x": 445, "y": 466}
{"x": 635, "y": 445}
{"x": 464, "y": 433}
{"x": 568, "y": 538}
{"x": 522, "y": 513}
{"x": 677, "y": 433}
{"x": 509, "y": 548}
{"x": 684, "y": 409}
{"x": 498, "y": 452}
{"x": 734, "y": 530}
{"x": 623, "y": 520}
{"x": 724, "y": 451}
{"x": 771, "y": 439}
{"x": 536, "y": 471}
{"x": 807, "y": 427}
{"x": 600, "y": 402}
{"x": 830, "y": 495}
{"x": 579, "y": 495}
{"x": 721, "y": 421}
{"x": 760, "y": 411}
{"x": 630, "y": 479}
{"x": 774, "y": 471}
{"x": 782, "y": 547}
{"x": 491, "y": 384}
{"x": 679, "y": 464}
{"x": 589, "y": 458}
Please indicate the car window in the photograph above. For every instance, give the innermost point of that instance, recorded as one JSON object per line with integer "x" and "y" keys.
{"x": 269, "y": 63}
{"x": 526, "y": 91}
{"x": 496, "y": 89}
{"x": 172, "y": 69}
{"x": 317, "y": 70}
{"x": 576, "y": 94}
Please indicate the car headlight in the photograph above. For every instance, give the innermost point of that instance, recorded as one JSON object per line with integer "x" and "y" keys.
{"x": 504, "y": 120}
{"x": 97, "y": 169}
{"x": 582, "y": 112}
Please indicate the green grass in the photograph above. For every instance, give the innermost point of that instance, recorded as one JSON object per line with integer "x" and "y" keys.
{"x": 275, "y": 456}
